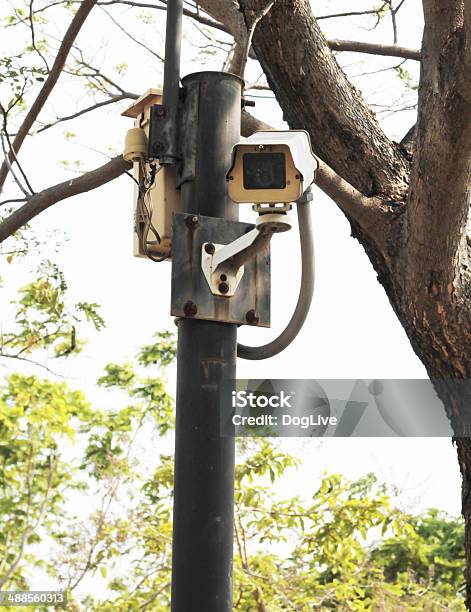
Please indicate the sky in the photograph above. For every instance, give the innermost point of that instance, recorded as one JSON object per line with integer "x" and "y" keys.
{"x": 351, "y": 331}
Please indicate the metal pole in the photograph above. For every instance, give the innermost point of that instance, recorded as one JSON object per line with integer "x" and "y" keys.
{"x": 173, "y": 36}
{"x": 203, "y": 513}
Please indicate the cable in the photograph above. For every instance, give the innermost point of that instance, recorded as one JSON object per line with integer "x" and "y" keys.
{"x": 144, "y": 213}
{"x": 306, "y": 290}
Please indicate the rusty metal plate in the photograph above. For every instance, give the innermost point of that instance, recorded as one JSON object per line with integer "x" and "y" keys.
{"x": 191, "y": 296}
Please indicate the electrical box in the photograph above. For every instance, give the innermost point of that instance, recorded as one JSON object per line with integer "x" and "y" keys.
{"x": 162, "y": 199}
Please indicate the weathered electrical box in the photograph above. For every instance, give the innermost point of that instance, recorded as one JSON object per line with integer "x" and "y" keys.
{"x": 163, "y": 198}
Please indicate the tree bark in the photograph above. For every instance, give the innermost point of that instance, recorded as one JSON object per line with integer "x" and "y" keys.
{"x": 418, "y": 245}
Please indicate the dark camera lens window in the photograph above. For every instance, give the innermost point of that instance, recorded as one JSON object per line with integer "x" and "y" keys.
{"x": 264, "y": 170}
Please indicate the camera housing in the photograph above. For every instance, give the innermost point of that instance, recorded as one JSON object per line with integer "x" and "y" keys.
{"x": 272, "y": 167}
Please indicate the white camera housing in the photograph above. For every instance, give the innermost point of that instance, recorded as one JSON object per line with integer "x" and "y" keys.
{"x": 272, "y": 167}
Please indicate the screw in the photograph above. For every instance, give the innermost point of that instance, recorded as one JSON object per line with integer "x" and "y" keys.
{"x": 223, "y": 287}
{"x": 190, "y": 308}
{"x": 209, "y": 248}
{"x": 192, "y": 222}
{"x": 252, "y": 317}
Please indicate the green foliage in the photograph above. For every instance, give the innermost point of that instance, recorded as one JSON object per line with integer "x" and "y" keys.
{"x": 162, "y": 351}
{"x": 20, "y": 77}
{"x": 342, "y": 546}
{"x": 406, "y": 78}
{"x": 45, "y": 319}
{"x": 54, "y": 445}
{"x": 37, "y": 420}
{"x": 431, "y": 549}
{"x": 327, "y": 552}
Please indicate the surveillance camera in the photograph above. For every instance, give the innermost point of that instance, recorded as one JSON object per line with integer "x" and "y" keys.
{"x": 272, "y": 167}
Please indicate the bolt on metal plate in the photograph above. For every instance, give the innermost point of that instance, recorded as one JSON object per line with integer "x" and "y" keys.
{"x": 191, "y": 294}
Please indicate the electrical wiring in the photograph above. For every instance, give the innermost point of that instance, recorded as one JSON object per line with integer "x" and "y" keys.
{"x": 306, "y": 291}
{"x": 143, "y": 221}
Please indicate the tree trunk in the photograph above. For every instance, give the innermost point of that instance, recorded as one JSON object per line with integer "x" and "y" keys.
{"x": 418, "y": 244}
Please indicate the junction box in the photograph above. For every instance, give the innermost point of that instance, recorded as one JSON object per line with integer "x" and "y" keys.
{"x": 163, "y": 198}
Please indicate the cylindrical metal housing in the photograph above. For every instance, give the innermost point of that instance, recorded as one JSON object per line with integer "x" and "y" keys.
{"x": 219, "y": 105}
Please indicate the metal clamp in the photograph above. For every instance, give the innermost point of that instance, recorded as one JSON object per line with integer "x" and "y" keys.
{"x": 223, "y": 265}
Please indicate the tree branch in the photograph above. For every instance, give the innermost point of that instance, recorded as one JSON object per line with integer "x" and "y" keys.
{"x": 88, "y": 109}
{"x": 44, "y": 199}
{"x": 228, "y": 13}
{"x": 374, "y": 49}
{"x": 352, "y": 13}
{"x": 49, "y": 84}
{"x": 343, "y": 130}
{"x": 33, "y": 362}
{"x": 133, "y": 38}
{"x": 367, "y": 212}
{"x": 441, "y": 187}
{"x": 163, "y": 7}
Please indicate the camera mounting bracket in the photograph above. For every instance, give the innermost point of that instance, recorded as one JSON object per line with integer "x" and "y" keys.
{"x": 191, "y": 293}
{"x": 223, "y": 265}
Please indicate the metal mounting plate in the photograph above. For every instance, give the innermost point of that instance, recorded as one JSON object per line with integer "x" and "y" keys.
{"x": 191, "y": 295}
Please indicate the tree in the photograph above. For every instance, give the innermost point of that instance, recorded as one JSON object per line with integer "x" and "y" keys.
{"x": 407, "y": 203}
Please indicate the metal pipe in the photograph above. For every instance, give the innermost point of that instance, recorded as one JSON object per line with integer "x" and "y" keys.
{"x": 306, "y": 291}
{"x": 203, "y": 512}
{"x": 173, "y": 44}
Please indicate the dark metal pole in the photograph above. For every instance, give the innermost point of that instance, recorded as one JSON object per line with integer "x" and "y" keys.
{"x": 203, "y": 513}
{"x": 173, "y": 36}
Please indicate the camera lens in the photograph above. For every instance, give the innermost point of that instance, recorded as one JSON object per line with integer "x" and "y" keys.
{"x": 264, "y": 170}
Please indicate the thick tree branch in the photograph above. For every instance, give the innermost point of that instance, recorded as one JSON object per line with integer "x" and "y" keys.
{"x": 367, "y": 212}
{"x": 49, "y": 84}
{"x": 228, "y": 13}
{"x": 315, "y": 94}
{"x": 44, "y": 199}
{"x": 441, "y": 179}
{"x": 374, "y": 49}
